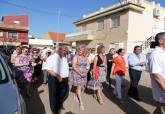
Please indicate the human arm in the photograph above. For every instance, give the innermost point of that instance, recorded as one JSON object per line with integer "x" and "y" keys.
{"x": 54, "y": 74}
{"x": 18, "y": 64}
{"x": 112, "y": 69}
{"x": 160, "y": 81}
{"x": 105, "y": 62}
{"x": 133, "y": 62}
{"x": 74, "y": 66}
{"x": 156, "y": 70}
{"x": 51, "y": 69}
{"x": 94, "y": 65}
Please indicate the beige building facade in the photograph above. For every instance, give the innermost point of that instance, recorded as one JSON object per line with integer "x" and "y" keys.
{"x": 122, "y": 25}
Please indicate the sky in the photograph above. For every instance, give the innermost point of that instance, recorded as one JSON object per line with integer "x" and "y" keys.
{"x": 43, "y": 14}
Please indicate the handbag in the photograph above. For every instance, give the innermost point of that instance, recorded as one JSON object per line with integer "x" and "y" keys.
{"x": 93, "y": 84}
{"x": 96, "y": 72}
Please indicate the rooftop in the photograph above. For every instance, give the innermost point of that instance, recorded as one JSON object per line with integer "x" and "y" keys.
{"x": 56, "y": 37}
{"x": 137, "y": 5}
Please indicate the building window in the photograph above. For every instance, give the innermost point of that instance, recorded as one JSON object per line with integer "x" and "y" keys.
{"x": 115, "y": 22}
{"x": 12, "y": 35}
{"x": 16, "y": 22}
{"x": 84, "y": 28}
{"x": 100, "y": 24}
{"x": 1, "y": 33}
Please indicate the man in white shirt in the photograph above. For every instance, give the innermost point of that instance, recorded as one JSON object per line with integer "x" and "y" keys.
{"x": 58, "y": 69}
{"x": 156, "y": 64}
{"x": 136, "y": 62}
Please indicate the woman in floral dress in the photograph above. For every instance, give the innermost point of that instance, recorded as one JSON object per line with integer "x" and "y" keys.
{"x": 79, "y": 75}
{"x": 23, "y": 63}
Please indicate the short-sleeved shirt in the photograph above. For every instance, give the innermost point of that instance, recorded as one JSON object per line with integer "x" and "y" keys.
{"x": 120, "y": 66}
{"x": 156, "y": 65}
{"x": 58, "y": 65}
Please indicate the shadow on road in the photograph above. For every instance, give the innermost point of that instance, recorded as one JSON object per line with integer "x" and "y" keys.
{"x": 34, "y": 104}
{"x": 129, "y": 106}
{"x": 70, "y": 112}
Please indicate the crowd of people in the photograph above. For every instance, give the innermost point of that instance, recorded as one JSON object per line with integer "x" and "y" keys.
{"x": 90, "y": 67}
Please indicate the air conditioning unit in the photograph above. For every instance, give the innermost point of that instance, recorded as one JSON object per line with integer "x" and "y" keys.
{"x": 156, "y": 12}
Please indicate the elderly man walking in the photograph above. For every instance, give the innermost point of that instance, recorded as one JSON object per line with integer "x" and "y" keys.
{"x": 156, "y": 64}
{"x": 58, "y": 69}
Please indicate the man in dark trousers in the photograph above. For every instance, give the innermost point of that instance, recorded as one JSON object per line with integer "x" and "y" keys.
{"x": 58, "y": 69}
{"x": 109, "y": 64}
{"x": 137, "y": 62}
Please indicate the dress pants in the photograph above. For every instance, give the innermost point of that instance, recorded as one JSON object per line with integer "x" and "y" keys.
{"x": 58, "y": 92}
{"x": 135, "y": 76}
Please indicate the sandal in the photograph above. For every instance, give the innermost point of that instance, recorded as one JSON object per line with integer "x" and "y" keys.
{"x": 81, "y": 106}
{"x": 100, "y": 102}
{"x": 94, "y": 96}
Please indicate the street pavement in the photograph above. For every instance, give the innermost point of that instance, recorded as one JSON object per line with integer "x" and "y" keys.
{"x": 39, "y": 103}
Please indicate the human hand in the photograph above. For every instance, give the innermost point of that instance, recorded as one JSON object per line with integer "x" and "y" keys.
{"x": 59, "y": 78}
{"x": 141, "y": 63}
{"x": 25, "y": 64}
{"x": 111, "y": 76}
{"x": 84, "y": 74}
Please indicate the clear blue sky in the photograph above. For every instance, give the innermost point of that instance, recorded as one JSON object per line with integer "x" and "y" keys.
{"x": 71, "y": 10}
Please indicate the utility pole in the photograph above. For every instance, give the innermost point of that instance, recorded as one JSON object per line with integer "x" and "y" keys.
{"x": 58, "y": 29}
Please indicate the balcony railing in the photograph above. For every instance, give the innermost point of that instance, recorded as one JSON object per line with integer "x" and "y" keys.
{"x": 80, "y": 36}
{"x": 13, "y": 27}
{"x": 79, "y": 33}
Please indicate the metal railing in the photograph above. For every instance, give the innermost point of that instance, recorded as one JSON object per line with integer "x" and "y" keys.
{"x": 146, "y": 45}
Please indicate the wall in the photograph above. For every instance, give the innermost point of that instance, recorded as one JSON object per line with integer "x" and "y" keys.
{"x": 108, "y": 35}
{"x": 22, "y": 37}
{"x": 10, "y": 19}
{"x": 140, "y": 26}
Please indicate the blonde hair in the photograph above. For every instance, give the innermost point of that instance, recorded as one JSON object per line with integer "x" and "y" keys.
{"x": 81, "y": 47}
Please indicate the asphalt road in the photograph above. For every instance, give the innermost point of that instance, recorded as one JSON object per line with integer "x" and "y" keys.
{"x": 39, "y": 103}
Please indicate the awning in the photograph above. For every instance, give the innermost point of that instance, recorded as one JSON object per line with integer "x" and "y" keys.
{"x": 10, "y": 43}
{"x": 42, "y": 42}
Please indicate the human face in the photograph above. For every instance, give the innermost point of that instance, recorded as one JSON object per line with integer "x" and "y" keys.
{"x": 112, "y": 51}
{"x": 81, "y": 51}
{"x": 25, "y": 51}
{"x": 18, "y": 50}
{"x": 138, "y": 50}
{"x": 123, "y": 52}
{"x": 64, "y": 51}
{"x": 162, "y": 42}
{"x": 103, "y": 50}
{"x": 35, "y": 53}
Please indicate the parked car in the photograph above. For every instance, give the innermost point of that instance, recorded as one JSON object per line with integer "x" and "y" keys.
{"x": 11, "y": 101}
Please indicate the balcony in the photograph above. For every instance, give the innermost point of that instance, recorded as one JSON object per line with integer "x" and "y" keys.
{"x": 13, "y": 27}
{"x": 80, "y": 36}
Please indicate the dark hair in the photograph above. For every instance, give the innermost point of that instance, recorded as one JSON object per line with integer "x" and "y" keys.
{"x": 25, "y": 47}
{"x": 99, "y": 49}
{"x": 136, "y": 47}
{"x": 158, "y": 36}
{"x": 111, "y": 49}
{"x": 119, "y": 50}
